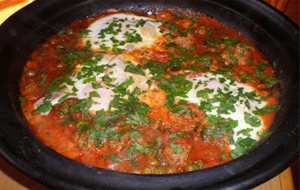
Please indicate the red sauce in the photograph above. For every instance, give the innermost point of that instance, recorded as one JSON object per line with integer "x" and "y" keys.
{"x": 171, "y": 142}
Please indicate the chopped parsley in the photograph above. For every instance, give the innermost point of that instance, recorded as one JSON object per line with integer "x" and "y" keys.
{"x": 204, "y": 93}
{"x": 122, "y": 88}
{"x": 156, "y": 68}
{"x": 84, "y": 33}
{"x": 22, "y": 100}
{"x": 115, "y": 158}
{"x": 43, "y": 81}
{"x": 177, "y": 149}
{"x": 44, "y": 108}
{"x": 135, "y": 69}
{"x": 252, "y": 120}
{"x": 266, "y": 110}
{"x": 132, "y": 37}
{"x": 95, "y": 94}
{"x": 175, "y": 86}
{"x": 134, "y": 135}
{"x": 242, "y": 147}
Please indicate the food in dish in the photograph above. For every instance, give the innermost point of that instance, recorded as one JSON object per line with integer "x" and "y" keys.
{"x": 155, "y": 93}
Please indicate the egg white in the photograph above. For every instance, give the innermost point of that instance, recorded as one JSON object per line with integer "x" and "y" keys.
{"x": 212, "y": 81}
{"x": 115, "y": 69}
{"x": 146, "y": 28}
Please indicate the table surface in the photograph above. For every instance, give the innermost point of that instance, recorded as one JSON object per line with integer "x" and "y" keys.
{"x": 12, "y": 179}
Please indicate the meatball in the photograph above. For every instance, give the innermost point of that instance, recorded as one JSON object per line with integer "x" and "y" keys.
{"x": 177, "y": 154}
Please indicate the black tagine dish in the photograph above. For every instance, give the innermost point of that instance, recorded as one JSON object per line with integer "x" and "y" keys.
{"x": 240, "y": 162}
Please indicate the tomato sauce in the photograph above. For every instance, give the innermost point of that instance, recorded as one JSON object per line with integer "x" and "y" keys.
{"x": 168, "y": 141}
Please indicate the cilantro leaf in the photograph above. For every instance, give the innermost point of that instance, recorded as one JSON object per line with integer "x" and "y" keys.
{"x": 134, "y": 135}
{"x": 177, "y": 149}
{"x": 132, "y": 37}
{"x": 254, "y": 121}
{"x": 44, "y": 108}
{"x": 84, "y": 33}
{"x": 115, "y": 158}
{"x": 242, "y": 146}
{"x": 156, "y": 68}
{"x": 43, "y": 81}
{"x": 22, "y": 100}
{"x": 137, "y": 119}
{"x": 266, "y": 110}
{"x": 122, "y": 88}
{"x": 94, "y": 94}
{"x": 134, "y": 69}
